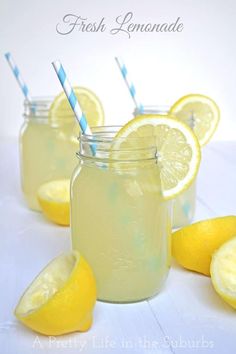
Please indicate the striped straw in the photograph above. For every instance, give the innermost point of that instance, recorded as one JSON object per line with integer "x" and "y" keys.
{"x": 73, "y": 100}
{"x": 17, "y": 74}
{"x": 129, "y": 84}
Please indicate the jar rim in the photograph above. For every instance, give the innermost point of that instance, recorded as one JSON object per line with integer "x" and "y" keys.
{"x": 153, "y": 109}
{"x": 108, "y": 147}
{"x": 98, "y": 134}
{"x": 39, "y": 107}
{"x": 41, "y": 100}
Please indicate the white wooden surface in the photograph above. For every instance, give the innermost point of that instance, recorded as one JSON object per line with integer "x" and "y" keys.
{"x": 187, "y": 317}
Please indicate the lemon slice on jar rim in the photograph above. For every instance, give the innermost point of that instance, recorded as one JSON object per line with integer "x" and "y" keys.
{"x": 90, "y": 104}
{"x": 178, "y": 150}
{"x": 200, "y": 113}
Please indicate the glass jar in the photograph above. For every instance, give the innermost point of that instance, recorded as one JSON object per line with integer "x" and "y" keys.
{"x": 119, "y": 220}
{"x": 47, "y": 148}
{"x": 185, "y": 204}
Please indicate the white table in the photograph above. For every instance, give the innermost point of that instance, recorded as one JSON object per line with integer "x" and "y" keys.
{"x": 187, "y": 317}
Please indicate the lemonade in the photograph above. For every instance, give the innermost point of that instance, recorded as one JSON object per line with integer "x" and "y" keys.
{"x": 184, "y": 205}
{"x": 119, "y": 219}
{"x": 121, "y": 197}
{"x": 47, "y": 149}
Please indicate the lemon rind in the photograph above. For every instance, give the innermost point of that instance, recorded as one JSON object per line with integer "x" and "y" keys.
{"x": 77, "y": 256}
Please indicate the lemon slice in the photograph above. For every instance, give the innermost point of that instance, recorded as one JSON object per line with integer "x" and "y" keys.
{"x": 54, "y": 199}
{"x": 61, "y": 298}
{"x": 177, "y": 149}
{"x": 223, "y": 271}
{"x": 200, "y": 113}
{"x": 91, "y": 106}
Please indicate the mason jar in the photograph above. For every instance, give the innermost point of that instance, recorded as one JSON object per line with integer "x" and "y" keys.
{"x": 185, "y": 204}
{"x": 119, "y": 220}
{"x": 47, "y": 148}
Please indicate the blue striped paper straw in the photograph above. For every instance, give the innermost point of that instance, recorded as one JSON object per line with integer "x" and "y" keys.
{"x": 73, "y": 100}
{"x": 129, "y": 83}
{"x": 18, "y": 76}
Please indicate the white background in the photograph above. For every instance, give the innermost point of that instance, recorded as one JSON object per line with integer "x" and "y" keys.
{"x": 164, "y": 66}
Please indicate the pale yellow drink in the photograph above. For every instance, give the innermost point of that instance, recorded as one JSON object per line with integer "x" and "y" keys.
{"x": 184, "y": 205}
{"x": 47, "y": 149}
{"x": 120, "y": 222}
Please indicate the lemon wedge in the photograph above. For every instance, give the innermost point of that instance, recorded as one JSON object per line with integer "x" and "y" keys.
{"x": 193, "y": 245}
{"x": 61, "y": 298}
{"x": 200, "y": 113}
{"x": 177, "y": 149}
{"x": 54, "y": 199}
{"x": 223, "y": 271}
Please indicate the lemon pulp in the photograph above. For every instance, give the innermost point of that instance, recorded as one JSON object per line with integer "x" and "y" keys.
{"x": 223, "y": 271}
